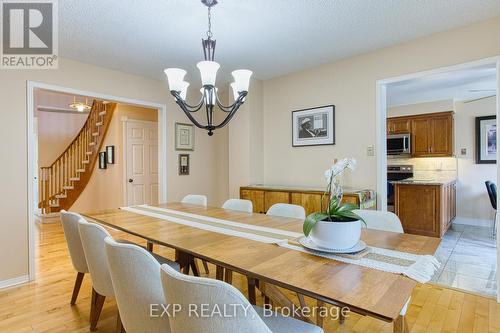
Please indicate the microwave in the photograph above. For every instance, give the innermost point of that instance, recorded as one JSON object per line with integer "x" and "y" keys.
{"x": 399, "y": 144}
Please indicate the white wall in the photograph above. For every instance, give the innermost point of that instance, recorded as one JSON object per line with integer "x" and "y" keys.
{"x": 472, "y": 198}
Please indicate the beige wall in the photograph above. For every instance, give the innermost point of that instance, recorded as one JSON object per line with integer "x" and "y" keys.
{"x": 420, "y": 108}
{"x": 105, "y": 187}
{"x": 472, "y": 198}
{"x": 14, "y": 198}
{"x": 351, "y": 85}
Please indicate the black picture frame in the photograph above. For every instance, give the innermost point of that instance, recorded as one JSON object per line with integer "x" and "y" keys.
{"x": 183, "y": 164}
{"x": 309, "y": 112}
{"x": 481, "y": 148}
{"x": 110, "y": 154}
{"x": 102, "y": 160}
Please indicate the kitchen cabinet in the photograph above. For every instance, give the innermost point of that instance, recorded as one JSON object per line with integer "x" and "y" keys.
{"x": 425, "y": 209}
{"x": 256, "y": 197}
{"x": 431, "y": 134}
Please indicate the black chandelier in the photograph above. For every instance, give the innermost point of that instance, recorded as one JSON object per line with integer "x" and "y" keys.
{"x": 208, "y": 71}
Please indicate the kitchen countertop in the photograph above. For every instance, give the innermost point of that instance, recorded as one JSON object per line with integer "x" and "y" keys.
{"x": 425, "y": 181}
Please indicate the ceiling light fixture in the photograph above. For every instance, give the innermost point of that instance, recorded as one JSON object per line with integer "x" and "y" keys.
{"x": 80, "y": 106}
{"x": 208, "y": 71}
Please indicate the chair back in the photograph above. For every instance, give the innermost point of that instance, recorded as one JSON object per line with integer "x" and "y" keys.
{"x": 195, "y": 199}
{"x": 287, "y": 210}
{"x": 69, "y": 223}
{"x": 241, "y": 205}
{"x": 492, "y": 193}
{"x": 185, "y": 290}
{"x": 379, "y": 220}
{"x": 139, "y": 294}
{"x": 93, "y": 236}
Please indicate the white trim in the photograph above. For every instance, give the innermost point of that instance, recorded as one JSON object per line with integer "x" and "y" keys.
{"x": 14, "y": 282}
{"x": 162, "y": 149}
{"x": 498, "y": 174}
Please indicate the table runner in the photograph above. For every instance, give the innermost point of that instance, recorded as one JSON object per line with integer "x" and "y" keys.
{"x": 418, "y": 267}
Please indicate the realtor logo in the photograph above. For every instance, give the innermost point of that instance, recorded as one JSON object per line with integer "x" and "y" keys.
{"x": 29, "y": 34}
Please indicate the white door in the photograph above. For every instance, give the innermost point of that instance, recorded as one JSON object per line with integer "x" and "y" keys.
{"x": 142, "y": 162}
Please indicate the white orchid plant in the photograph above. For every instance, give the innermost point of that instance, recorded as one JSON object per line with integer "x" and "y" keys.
{"x": 335, "y": 210}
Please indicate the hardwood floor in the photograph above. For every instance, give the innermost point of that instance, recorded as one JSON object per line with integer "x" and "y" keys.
{"x": 44, "y": 306}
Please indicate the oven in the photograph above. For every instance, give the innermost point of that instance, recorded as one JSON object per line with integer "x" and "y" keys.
{"x": 396, "y": 172}
{"x": 399, "y": 144}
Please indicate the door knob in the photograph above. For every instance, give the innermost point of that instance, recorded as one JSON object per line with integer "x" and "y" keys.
{"x": 130, "y": 180}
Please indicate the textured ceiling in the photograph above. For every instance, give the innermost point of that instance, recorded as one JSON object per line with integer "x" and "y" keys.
{"x": 272, "y": 38}
{"x": 460, "y": 85}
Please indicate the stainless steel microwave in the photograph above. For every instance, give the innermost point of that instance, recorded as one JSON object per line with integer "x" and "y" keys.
{"x": 399, "y": 144}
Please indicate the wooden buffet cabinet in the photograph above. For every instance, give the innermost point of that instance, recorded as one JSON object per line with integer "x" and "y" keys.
{"x": 431, "y": 133}
{"x": 425, "y": 208}
{"x": 263, "y": 197}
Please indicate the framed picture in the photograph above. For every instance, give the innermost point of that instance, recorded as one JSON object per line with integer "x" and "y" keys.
{"x": 184, "y": 136}
{"x": 486, "y": 140}
{"x": 110, "y": 154}
{"x": 314, "y": 126}
{"x": 183, "y": 164}
{"x": 102, "y": 160}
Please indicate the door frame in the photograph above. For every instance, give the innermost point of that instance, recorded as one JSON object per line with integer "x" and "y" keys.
{"x": 30, "y": 92}
{"x": 126, "y": 120}
{"x": 381, "y": 131}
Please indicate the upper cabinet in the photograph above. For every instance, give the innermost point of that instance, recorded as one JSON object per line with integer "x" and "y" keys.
{"x": 431, "y": 134}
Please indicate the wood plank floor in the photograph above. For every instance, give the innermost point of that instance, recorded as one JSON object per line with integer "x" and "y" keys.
{"x": 43, "y": 306}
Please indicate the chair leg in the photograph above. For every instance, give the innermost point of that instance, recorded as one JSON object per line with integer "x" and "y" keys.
{"x": 228, "y": 276}
{"x": 252, "y": 297}
{"x": 76, "y": 288}
{"x": 96, "y": 309}
{"x": 119, "y": 325}
{"x": 194, "y": 267}
{"x": 205, "y": 266}
{"x": 149, "y": 246}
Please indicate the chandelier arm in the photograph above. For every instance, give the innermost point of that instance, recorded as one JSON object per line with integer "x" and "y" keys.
{"x": 188, "y": 107}
{"x": 188, "y": 114}
{"x": 231, "y": 114}
{"x": 229, "y": 108}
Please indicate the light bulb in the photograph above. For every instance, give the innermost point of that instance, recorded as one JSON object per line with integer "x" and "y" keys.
{"x": 208, "y": 72}
{"x": 175, "y": 78}
{"x": 242, "y": 79}
{"x": 80, "y": 108}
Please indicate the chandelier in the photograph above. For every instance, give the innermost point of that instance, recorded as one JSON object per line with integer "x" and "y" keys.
{"x": 80, "y": 106}
{"x": 208, "y": 71}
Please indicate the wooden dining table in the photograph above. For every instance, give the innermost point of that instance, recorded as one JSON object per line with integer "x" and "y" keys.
{"x": 363, "y": 290}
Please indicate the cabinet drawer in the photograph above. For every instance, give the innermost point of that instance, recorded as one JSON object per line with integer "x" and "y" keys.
{"x": 272, "y": 197}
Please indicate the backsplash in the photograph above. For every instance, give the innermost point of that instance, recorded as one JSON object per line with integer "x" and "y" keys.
{"x": 430, "y": 167}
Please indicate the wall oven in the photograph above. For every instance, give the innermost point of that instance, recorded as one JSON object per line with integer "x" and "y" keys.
{"x": 399, "y": 144}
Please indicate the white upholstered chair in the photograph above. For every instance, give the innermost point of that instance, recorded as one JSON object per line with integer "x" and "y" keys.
{"x": 69, "y": 223}
{"x": 379, "y": 220}
{"x": 240, "y": 205}
{"x": 195, "y": 199}
{"x": 384, "y": 221}
{"x": 136, "y": 280}
{"x": 287, "y": 210}
{"x": 184, "y": 290}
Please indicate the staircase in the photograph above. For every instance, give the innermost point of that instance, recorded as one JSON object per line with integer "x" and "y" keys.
{"x": 61, "y": 183}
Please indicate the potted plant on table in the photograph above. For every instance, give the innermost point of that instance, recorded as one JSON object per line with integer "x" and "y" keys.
{"x": 336, "y": 226}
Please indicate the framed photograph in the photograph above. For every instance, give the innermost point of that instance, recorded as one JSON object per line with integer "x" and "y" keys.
{"x": 110, "y": 154}
{"x": 102, "y": 160}
{"x": 184, "y": 136}
{"x": 183, "y": 164}
{"x": 486, "y": 140}
{"x": 314, "y": 126}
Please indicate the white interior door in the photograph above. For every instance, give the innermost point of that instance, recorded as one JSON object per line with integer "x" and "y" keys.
{"x": 142, "y": 162}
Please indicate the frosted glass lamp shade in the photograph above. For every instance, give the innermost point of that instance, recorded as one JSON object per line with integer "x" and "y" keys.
{"x": 184, "y": 89}
{"x": 213, "y": 99}
{"x": 242, "y": 79}
{"x": 208, "y": 72}
{"x": 235, "y": 92}
{"x": 175, "y": 78}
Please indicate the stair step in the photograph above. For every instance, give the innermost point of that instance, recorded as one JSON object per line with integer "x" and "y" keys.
{"x": 89, "y": 153}
{"x": 95, "y": 134}
{"x": 102, "y": 113}
{"x": 74, "y": 179}
{"x": 68, "y": 187}
{"x": 85, "y": 161}
{"x": 92, "y": 143}
{"x": 61, "y": 196}
{"x": 53, "y": 205}
{"x": 80, "y": 170}
{"x": 99, "y": 123}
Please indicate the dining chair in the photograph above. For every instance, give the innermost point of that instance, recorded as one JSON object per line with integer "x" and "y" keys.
{"x": 287, "y": 210}
{"x": 492, "y": 194}
{"x": 240, "y": 205}
{"x": 69, "y": 223}
{"x": 379, "y": 220}
{"x": 200, "y": 200}
{"x": 135, "y": 274}
{"x": 187, "y": 290}
{"x": 195, "y": 199}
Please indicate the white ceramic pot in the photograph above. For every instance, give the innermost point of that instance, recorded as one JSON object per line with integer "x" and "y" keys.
{"x": 336, "y": 235}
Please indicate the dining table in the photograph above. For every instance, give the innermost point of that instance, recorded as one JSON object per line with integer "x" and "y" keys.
{"x": 366, "y": 291}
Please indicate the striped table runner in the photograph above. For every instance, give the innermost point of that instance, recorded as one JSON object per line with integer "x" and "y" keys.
{"x": 418, "y": 267}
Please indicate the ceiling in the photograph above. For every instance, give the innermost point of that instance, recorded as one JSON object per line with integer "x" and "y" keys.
{"x": 52, "y": 101}
{"x": 459, "y": 85}
{"x": 272, "y": 38}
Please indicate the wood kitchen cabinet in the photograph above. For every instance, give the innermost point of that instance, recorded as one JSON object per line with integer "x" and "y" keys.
{"x": 431, "y": 134}
{"x": 425, "y": 209}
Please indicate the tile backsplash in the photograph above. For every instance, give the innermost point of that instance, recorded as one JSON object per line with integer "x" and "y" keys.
{"x": 430, "y": 167}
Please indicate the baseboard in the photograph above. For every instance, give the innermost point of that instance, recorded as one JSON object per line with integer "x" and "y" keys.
{"x": 47, "y": 218}
{"x": 473, "y": 222}
{"x": 14, "y": 282}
